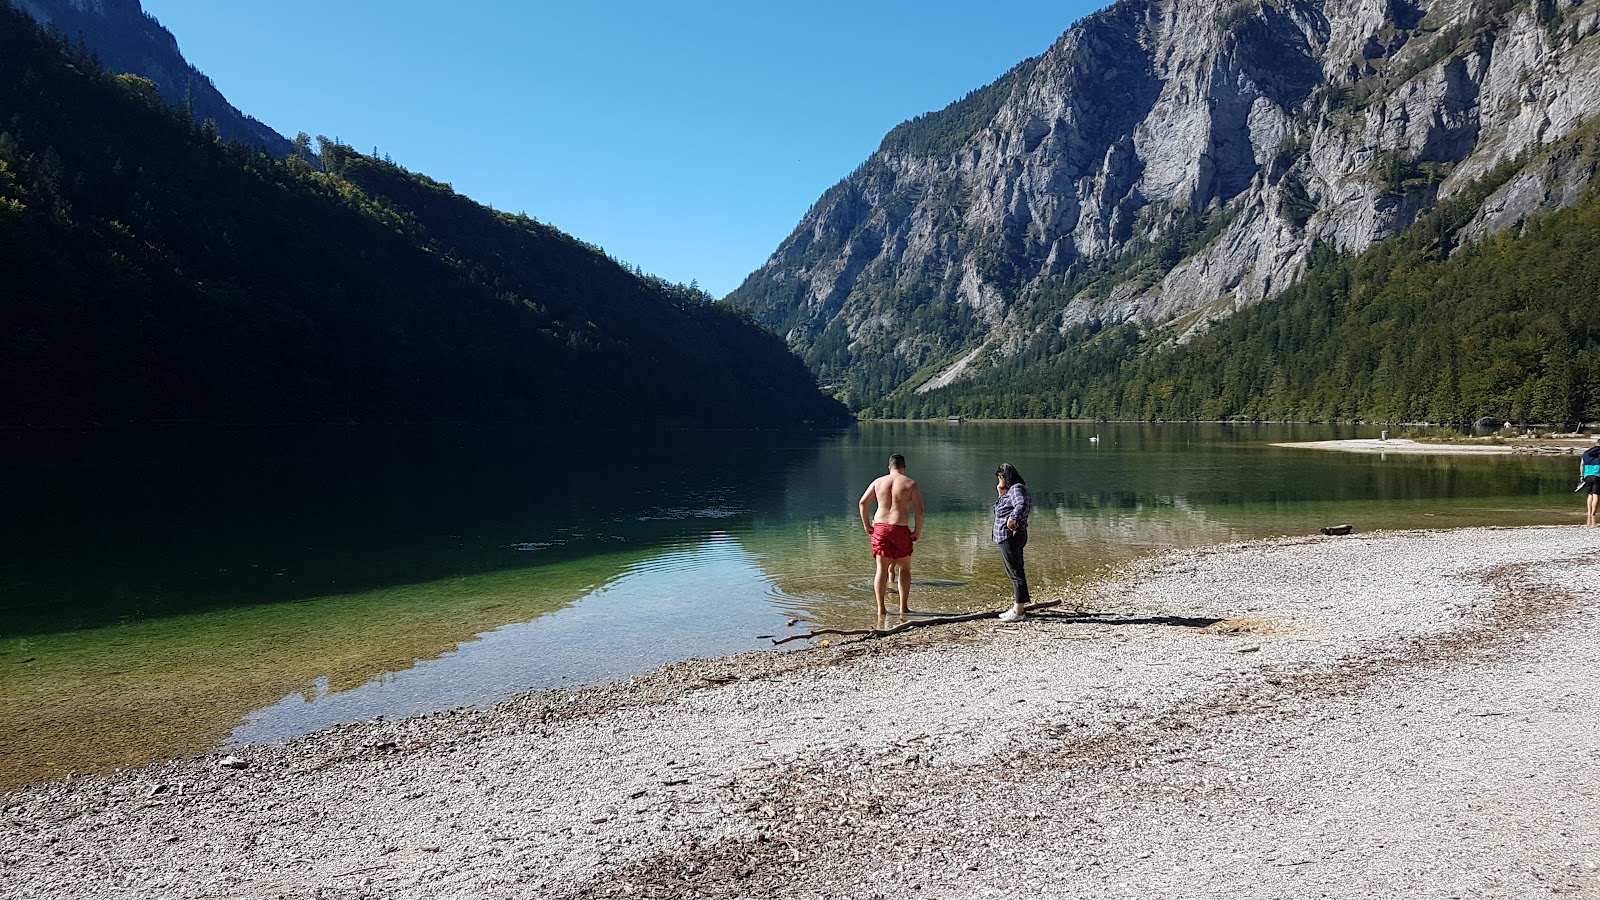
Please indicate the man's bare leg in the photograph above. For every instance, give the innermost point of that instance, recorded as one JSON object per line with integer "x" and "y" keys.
{"x": 880, "y": 582}
{"x": 1594, "y": 502}
{"x": 905, "y": 585}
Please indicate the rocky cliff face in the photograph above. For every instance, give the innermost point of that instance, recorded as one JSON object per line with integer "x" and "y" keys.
{"x": 125, "y": 39}
{"x": 1170, "y": 161}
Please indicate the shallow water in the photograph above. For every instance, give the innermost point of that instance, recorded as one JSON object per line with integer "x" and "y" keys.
{"x": 164, "y": 592}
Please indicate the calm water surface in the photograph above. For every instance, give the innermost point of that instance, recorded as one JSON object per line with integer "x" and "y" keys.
{"x": 163, "y": 593}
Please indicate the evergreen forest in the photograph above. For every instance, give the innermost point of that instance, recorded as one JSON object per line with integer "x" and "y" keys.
{"x": 151, "y": 271}
{"x": 1427, "y": 326}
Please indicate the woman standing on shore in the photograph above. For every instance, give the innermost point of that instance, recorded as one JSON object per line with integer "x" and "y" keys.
{"x": 1011, "y": 513}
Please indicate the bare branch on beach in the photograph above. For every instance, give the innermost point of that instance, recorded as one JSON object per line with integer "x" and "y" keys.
{"x": 866, "y": 633}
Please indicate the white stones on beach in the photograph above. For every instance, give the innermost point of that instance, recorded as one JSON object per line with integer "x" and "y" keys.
{"x": 1316, "y": 737}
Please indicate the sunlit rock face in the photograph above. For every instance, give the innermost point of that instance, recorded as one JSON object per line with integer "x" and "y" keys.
{"x": 125, "y": 39}
{"x": 1187, "y": 155}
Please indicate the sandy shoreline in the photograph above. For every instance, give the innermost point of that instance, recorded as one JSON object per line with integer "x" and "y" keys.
{"x": 1408, "y": 446}
{"x": 1358, "y": 716}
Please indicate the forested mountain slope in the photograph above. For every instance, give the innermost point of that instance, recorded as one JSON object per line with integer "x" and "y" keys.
{"x": 150, "y": 271}
{"x": 1431, "y": 325}
{"x": 127, "y": 39}
{"x": 1164, "y": 166}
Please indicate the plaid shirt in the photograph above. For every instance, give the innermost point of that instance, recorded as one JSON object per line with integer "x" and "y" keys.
{"x": 1014, "y": 504}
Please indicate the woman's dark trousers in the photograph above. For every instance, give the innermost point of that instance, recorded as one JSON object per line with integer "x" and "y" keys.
{"x": 1011, "y": 552}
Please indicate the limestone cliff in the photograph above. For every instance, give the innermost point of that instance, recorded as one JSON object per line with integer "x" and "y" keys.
{"x": 1171, "y": 161}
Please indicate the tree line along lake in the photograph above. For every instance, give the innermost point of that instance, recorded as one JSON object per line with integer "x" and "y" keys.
{"x": 169, "y": 590}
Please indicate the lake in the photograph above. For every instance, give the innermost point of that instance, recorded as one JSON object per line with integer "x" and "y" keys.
{"x": 164, "y": 592}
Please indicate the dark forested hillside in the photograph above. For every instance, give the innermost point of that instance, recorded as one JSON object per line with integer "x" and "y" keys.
{"x": 151, "y": 271}
{"x": 125, "y": 38}
{"x": 1424, "y": 327}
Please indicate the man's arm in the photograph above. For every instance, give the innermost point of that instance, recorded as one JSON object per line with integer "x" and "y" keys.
{"x": 916, "y": 504}
{"x": 866, "y": 504}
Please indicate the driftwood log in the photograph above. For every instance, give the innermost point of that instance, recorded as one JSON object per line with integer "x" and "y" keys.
{"x": 865, "y": 633}
{"x": 1338, "y": 529}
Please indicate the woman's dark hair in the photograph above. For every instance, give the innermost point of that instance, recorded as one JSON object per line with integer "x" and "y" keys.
{"x": 1010, "y": 474}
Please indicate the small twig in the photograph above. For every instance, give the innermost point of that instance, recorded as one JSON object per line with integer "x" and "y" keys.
{"x": 362, "y": 871}
{"x": 907, "y": 626}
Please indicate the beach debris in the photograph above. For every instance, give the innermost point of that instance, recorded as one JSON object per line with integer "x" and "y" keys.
{"x": 1337, "y": 529}
{"x": 362, "y": 871}
{"x": 233, "y": 762}
{"x": 865, "y": 633}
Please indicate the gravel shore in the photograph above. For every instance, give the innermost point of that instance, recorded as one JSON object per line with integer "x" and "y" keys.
{"x": 1378, "y": 715}
{"x": 1408, "y": 447}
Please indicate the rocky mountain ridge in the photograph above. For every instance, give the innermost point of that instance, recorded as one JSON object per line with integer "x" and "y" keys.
{"x": 127, "y": 39}
{"x": 1168, "y": 163}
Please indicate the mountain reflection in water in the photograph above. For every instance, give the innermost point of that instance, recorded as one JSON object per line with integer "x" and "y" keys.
{"x": 161, "y": 592}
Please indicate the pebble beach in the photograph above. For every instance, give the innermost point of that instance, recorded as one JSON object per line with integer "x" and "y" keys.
{"x": 1372, "y": 715}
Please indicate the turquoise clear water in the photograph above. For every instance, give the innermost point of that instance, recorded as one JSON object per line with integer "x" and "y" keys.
{"x": 166, "y": 591}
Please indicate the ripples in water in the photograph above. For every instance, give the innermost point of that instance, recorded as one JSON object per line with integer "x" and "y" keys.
{"x": 915, "y": 582}
{"x": 710, "y": 512}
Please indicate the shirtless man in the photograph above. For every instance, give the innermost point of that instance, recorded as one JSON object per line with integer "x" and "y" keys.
{"x": 895, "y": 527}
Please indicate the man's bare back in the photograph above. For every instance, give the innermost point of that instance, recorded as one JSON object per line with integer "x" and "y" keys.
{"x": 894, "y": 528}
{"x": 894, "y": 494}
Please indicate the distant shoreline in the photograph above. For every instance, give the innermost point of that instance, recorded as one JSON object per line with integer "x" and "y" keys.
{"x": 1417, "y": 448}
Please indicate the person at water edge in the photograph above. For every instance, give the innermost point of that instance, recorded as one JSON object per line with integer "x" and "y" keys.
{"x": 1011, "y": 513}
{"x": 1589, "y": 472}
{"x": 894, "y": 528}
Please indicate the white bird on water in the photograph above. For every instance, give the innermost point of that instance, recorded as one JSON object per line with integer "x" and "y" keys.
{"x": 1095, "y": 439}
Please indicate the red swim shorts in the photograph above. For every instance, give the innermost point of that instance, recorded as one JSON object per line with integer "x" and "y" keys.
{"x": 892, "y": 541}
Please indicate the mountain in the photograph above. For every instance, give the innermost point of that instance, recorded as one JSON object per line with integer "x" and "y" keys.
{"x": 1434, "y": 324}
{"x": 127, "y": 39}
{"x": 1165, "y": 165}
{"x": 151, "y": 271}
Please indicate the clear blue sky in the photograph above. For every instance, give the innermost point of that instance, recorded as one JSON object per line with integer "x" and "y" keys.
{"x": 686, "y": 138}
